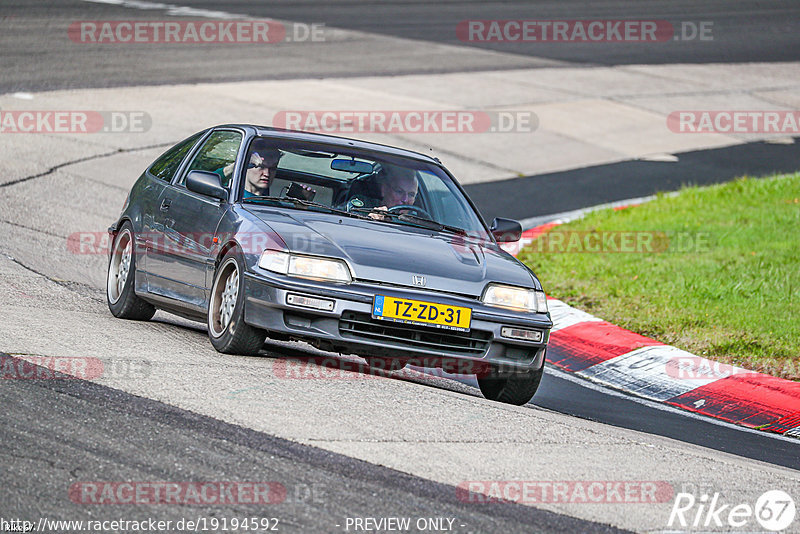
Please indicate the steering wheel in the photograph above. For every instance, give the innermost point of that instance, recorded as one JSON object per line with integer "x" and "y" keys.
{"x": 417, "y": 211}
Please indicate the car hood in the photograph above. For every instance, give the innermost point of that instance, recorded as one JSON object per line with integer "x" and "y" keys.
{"x": 395, "y": 254}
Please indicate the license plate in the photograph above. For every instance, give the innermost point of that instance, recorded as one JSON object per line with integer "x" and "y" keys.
{"x": 421, "y": 312}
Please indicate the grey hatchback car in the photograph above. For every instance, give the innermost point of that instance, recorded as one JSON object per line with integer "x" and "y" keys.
{"x": 353, "y": 247}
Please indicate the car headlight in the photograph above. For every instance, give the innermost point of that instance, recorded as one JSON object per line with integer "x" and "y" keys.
{"x": 515, "y": 298}
{"x": 312, "y": 267}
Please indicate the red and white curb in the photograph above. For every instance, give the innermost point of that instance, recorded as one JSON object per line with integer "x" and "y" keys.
{"x": 591, "y": 348}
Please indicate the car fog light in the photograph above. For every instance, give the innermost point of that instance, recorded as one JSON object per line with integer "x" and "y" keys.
{"x": 310, "y": 302}
{"x": 521, "y": 333}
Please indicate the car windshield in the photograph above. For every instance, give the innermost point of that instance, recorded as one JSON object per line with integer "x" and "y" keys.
{"x": 382, "y": 187}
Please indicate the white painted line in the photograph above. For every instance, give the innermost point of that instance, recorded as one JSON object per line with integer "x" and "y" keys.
{"x": 172, "y": 9}
{"x": 564, "y": 315}
{"x": 567, "y": 216}
{"x": 790, "y": 436}
{"x": 652, "y": 372}
{"x": 664, "y": 158}
{"x": 570, "y": 377}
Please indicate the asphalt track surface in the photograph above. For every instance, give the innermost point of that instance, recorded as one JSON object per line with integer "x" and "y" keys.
{"x": 742, "y": 31}
{"x": 41, "y": 56}
{"x": 591, "y": 186}
{"x": 105, "y": 434}
{"x": 566, "y": 396}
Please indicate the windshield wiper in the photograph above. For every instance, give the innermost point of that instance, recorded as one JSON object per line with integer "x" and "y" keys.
{"x": 302, "y": 202}
{"x": 439, "y": 226}
{"x": 423, "y": 222}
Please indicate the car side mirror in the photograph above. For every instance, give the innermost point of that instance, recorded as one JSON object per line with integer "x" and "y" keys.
{"x": 206, "y": 183}
{"x": 506, "y": 230}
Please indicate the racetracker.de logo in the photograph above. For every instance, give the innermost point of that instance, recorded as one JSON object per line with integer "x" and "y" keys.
{"x": 179, "y": 32}
{"x": 697, "y": 368}
{"x": 731, "y": 121}
{"x": 565, "y": 491}
{"x": 408, "y": 121}
{"x": 183, "y": 493}
{"x": 332, "y": 368}
{"x": 193, "y": 32}
{"x": 572, "y": 31}
{"x": 74, "y": 122}
{"x": 50, "y": 368}
{"x": 613, "y": 242}
{"x": 71, "y": 367}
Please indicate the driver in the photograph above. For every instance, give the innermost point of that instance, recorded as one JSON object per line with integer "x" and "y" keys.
{"x": 397, "y": 185}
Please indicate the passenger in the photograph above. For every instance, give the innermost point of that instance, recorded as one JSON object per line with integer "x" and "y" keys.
{"x": 261, "y": 170}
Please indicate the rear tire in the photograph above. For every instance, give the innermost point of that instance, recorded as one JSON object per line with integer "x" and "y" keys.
{"x": 227, "y": 330}
{"x": 516, "y": 388}
{"x": 120, "y": 277}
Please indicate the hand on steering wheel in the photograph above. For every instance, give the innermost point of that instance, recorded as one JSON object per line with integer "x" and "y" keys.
{"x": 417, "y": 211}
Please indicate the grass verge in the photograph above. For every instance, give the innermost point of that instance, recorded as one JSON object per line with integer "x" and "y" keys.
{"x": 712, "y": 270}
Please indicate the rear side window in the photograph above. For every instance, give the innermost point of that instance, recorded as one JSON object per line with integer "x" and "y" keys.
{"x": 166, "y": 166}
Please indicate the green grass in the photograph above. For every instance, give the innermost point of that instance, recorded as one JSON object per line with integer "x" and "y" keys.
{"x": 733, "y": 297}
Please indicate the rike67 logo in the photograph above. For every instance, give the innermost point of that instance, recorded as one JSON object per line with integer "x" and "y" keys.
{"x": 774, "y": 511}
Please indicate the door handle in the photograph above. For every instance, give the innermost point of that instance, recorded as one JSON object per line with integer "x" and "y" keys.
{"x": 165, "y": 204}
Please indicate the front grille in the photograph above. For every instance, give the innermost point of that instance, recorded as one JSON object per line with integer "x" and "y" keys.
{"x": 362, "y": 325}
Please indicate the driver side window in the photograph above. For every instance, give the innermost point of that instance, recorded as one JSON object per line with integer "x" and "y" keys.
{"x": 217, "y": 155}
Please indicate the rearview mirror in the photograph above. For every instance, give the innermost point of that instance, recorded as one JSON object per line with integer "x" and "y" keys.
{"x": 351, "y": 165}
{"x": 206, "y": 183}
{"x": 506, "y": 230}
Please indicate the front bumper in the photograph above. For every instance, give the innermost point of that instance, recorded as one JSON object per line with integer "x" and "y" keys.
{"x": 349, "y": 328}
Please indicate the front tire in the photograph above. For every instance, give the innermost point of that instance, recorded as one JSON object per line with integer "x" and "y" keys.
{"x": 516, "y": 388}
{"x": 227, "y": 330}
{"x": 120, "y": 295}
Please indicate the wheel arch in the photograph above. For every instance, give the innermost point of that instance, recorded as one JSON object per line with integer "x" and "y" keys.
{"x": 227, "y": 247}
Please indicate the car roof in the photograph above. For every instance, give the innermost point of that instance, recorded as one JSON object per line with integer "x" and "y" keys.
{"x": 344, "y": 142}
